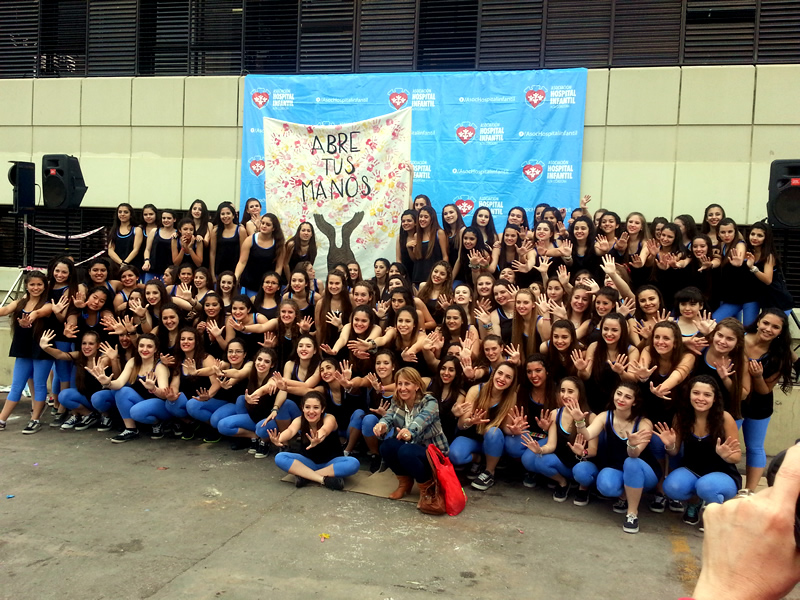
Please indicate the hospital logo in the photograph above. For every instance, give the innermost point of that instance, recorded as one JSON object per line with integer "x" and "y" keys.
{"x": 260, "y": 98}
{"x": 464, "y": 204}
{"x": 398, "y": 98}
{"x": 559, "y": 171}
{"x": 535, "y": 95}
{"x": 532, "y": 169}
{"x": 465, "y": 132}
{"x": 257, "y": 166}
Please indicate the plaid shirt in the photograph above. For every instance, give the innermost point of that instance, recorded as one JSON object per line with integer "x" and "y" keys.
{"x": 425, "y": 426}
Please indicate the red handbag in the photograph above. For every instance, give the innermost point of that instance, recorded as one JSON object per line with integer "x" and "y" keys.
{"x": 454, "y": 497}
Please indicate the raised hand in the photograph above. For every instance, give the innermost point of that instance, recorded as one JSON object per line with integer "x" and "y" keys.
{"x": 530, "y": 443}
{"x": 609, "y": 265}
{"x": 270, "y": 340}
{"x": 635, "y": 261}
{"x": 601, "y": 244}
{"x": 513, "y": 354}
{"x": 189, "y": 367}
{"x": 109, "y": 351}
{"x": 482, "y": 315}
{"x": 755, "y": 368}
{"x": 215, "y": 330}
{"x": 626, "y": 306}
{"x": 251, "y": 399}
{"x": 327, "y": 349}
{"x": 705, "y": 263}
{"x": 542, "y": 306}
{"x": 150, "y": 381}
{"x": 563, "y": 274}
{"x": 519, "y": 422}
{"x": 574, "y": 409}
{"x": 695, "y": 344}
{"x": 544, "y": 421}
{"x": 640, "y": 437}
{"x": 332, "y": 319}
{"x": 382, "y": 409}
{"x": 305, "y": 324}
{"x": 643, "y": 329}
{"x": 375, "y": 382}
{"x": 167, "y": 360}
{"x": 558, "y": 309}
{"x": 520, "y": 266}
{"x": 478, "y": 417}
{"x": 666, "y": 434}
{"x": 184, "y": 291}
{"x": 565, "y": 249}
{"x": 641, "y": 372}
{"x": 579, "y": 359}
{"x": 135, "y": 304}
{"x": 579, "y": 446}
{"x": 79, "y": 299}
{"x": 622, "y": 242}
{"x": 47, "y": 338}
{"x": 408, "y": 356}
{"x": 618, "y": 366}
{"x": 236, "y": 325}
{"x": 659, "y": 391}
{"x": 705, "y": 324}
{"x": 274, "y": 436}
{"x": 202, "y": 395}
{"x": 543, "y": 264}
{"x": 71, "y": 330}
{"x": 728, "y": 448}
{"x": 724, "y": 368}
{"x": 444, "y": 301}
{"x": 381, "y": 309}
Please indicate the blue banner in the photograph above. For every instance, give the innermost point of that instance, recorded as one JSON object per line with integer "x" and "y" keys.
{"x": 490, "y": 138}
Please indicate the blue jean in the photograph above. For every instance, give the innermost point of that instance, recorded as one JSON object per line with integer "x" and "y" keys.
{"x": 755, "y": 432}
{"x": 635, "y": 474}
{"x": 177, "y": 407}
{"x": 462, "y": 448}
{"x": 682, "y": 484}
{"x": 407, "y": 459}
{"x": 343, "y": 466}
{"x": 103, "y": 400}
{"x": 747, "y": 312}
{"x": 24, "y": 369}
{"x": 71, "y": 399}
{"x": 203, "y": 411}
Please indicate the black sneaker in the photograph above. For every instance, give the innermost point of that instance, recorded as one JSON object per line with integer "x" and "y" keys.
{"x": 191, "y": 431}
{"x": 631, "y": 524}
{"x": 253, "y": 446}
{"x": 126, "y": 436}
{"x": 105, "y": 424}
{"x": 53, "y": 411}
{"x": 333, "y": 483}
{"x": 212, "y": 437}
{"x": 581, "y": 498}
{"x": 71, "y": 422}
{"x": 620, "y": 506}
{"x": 483, "y": 481}
{"x": 692, "y": 514}
{"x": 675, "y": 506}
{"x": 178, "y": 429}
{"x": 374, "y": 462}
{"x": 33, "y": 426}
{"x": 60, "y": 419}
{"x": 659, "y": 504}
{"x": 529, "y": 481}
{"x": 2, "y": 425}
{"x": 475, "y": 469}
{"x": 300, "y": 482}
{"x": 561, "y": 493}
{"x": 158, "y": 431}
{"x": 239, "y": 443}
{"x": 262, "y": 450}
{"x": 86, "y": 422}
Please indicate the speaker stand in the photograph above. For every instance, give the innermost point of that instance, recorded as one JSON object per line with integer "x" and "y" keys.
{"x": 18, "y": 286}
{"x": 796, "y": 322}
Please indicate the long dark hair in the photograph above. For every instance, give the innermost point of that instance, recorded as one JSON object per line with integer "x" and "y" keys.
{"x": 217, "y": 222}
{"x": 557, "y": 360}
{"x": 437, "y": 386}
{"x": 325, "y": 304}
{"x": 451, "y": 230}
{"x": 433, "y": 228}
{"x": 491, "y": 231}
{"x": 311, "y": 256}
{"x": 258, "y": 301}
{"x": 72, "y": 278}
{"x": 706, "y": 226}
{"x": 780, "y": 356}
{"x": 202, "y": 230}
{"x": 137, "y": 359}
{"x": 526, "y": 387}
{"x": 315, "y": 360}
{"x": 252, "y": 382}
{"x": 715, "y": 421}
{"x": 199, "y": 349}
{"x": 601, "y": 350}
{"x": 81, "y": 362}
{"x": 403, "y": 235}
{"x": 115, "y": 223}
{"x": 305, "y": 426}
{"x": 768, "y": 247}
{"x": 637, "y": 408}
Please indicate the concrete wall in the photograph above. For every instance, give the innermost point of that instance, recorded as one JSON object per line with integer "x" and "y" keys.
{"x": 669, "y": 140}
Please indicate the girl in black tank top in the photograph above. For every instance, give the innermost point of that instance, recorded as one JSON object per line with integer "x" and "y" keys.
{"x": 158, "y": 253}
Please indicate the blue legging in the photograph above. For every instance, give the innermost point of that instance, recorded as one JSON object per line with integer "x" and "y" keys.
{"x": 513, "y": 446}
{"x": 203, "y": 411}
{"x": 225, "y": 411}
{"x": 585, "y": 473}
{"x": 368, "y": 425}
{"x": 343, "y": 466}
{"x": 545, "y": 464}
{"x": 62, "y": 368}
{"x": 127, "y": 399}
{"x": 103, "y": 400}
{"x": 24, "y": 369}
{"x": 747, "y": 312}
{"x": 715, "y": 487}
{"x": 287, "y": 412}
{"x": 462, "y": 448}
{"x": 356, "y": 422}
{"x": 71, "y": 399}
{"x": 635, "y": 474}
{"x": 177, "y": 408}
{"x": 755, "y": 432}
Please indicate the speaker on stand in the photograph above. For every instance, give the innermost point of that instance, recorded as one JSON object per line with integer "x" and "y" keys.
{"x": 22, "y": 176}
{"x": 63, "y": 186}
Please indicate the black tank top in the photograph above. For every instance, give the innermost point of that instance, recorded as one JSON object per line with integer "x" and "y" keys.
{"x": 701, "y": 458}
{"x": 227, "y": 254}
{"x": 506, "y": 325}
{"x": 701, "y": 367}
{"x": 424, "y": 266}
{"x": 616, "y": 447}
{"x": 123, "y": 244}
{"x": 160, "y": 254}
{"x": 345, "y": 409}
{"x": 259, "y": 262}
{"x": 190, "y": 384}
{"x": 326, "y": 450}
{"x": 564, "y": 453}
{"x": 760, "y": 406}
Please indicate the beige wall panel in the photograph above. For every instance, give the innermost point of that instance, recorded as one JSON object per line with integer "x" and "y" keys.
{"x": 211, "y": 142}
{"x": 156, "y": 181}
{"x": 775, "y": 142}
{"x": 240, "y": 109}
{"x": 155, "y": 142}
{"x": 211, "y": 180}
{"x": 106, "y": 141}
{"x": 717, "y": 95}
{"x": 758, "y": 192}
{"x": 16, "y": 100}
{"x": 55, "y": 140}
{"x": 16, "y": 143}
{"x": 592, "y": 183}
{"x": 211, "y": 101}
{"x": 647, "y": 96}
{"x": 106, "y": 101}
{"x": 630, "y": 186}
{"x": 57, "y": 101}
{"x": 700, "y": 184}
{"x": 594, "y": 144}
{"x": 107, "y": 179}
{"x": 596, "y": 96}
{"x": 640, "y": 144}
{"x": 712, "y": 143}
{"x": 777, "y": 95}
{"x": 157, "y": 101}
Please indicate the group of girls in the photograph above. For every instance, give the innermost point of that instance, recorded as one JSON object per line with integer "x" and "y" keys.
{"x": 596, "y": 353}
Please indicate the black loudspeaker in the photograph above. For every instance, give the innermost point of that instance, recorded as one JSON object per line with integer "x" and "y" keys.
{"x": 22, "y": 176}
{"x": 62, "y": 181}
{"x": 783, "y": 206}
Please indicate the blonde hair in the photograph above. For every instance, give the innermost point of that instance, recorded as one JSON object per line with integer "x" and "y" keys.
{"x": 507, "y": 401}
{"x": 412, "y": 375}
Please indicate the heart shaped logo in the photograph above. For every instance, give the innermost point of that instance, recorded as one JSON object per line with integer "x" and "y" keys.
{"x": 257, "y": 167}
{"x": 465, "y": 133}
{"x": 532, "y": 172}
{"x": 398, "y": 99}
{"x": 535, "y": 97}
{"x": 465, "y": 206}
{"x": 260, "y": 98}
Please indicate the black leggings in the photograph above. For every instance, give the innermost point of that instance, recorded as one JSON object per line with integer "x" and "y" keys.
{"x": 407, "y": 459}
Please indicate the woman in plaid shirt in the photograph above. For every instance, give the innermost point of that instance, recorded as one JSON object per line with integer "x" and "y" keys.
{"x": 414, "y": 416}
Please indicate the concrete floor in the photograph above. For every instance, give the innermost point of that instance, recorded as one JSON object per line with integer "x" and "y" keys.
{"x": 91, "y": 520}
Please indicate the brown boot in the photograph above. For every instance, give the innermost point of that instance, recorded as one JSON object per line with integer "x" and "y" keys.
{"x": 430, "y": 502}
{"x": 404, "y": 485}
